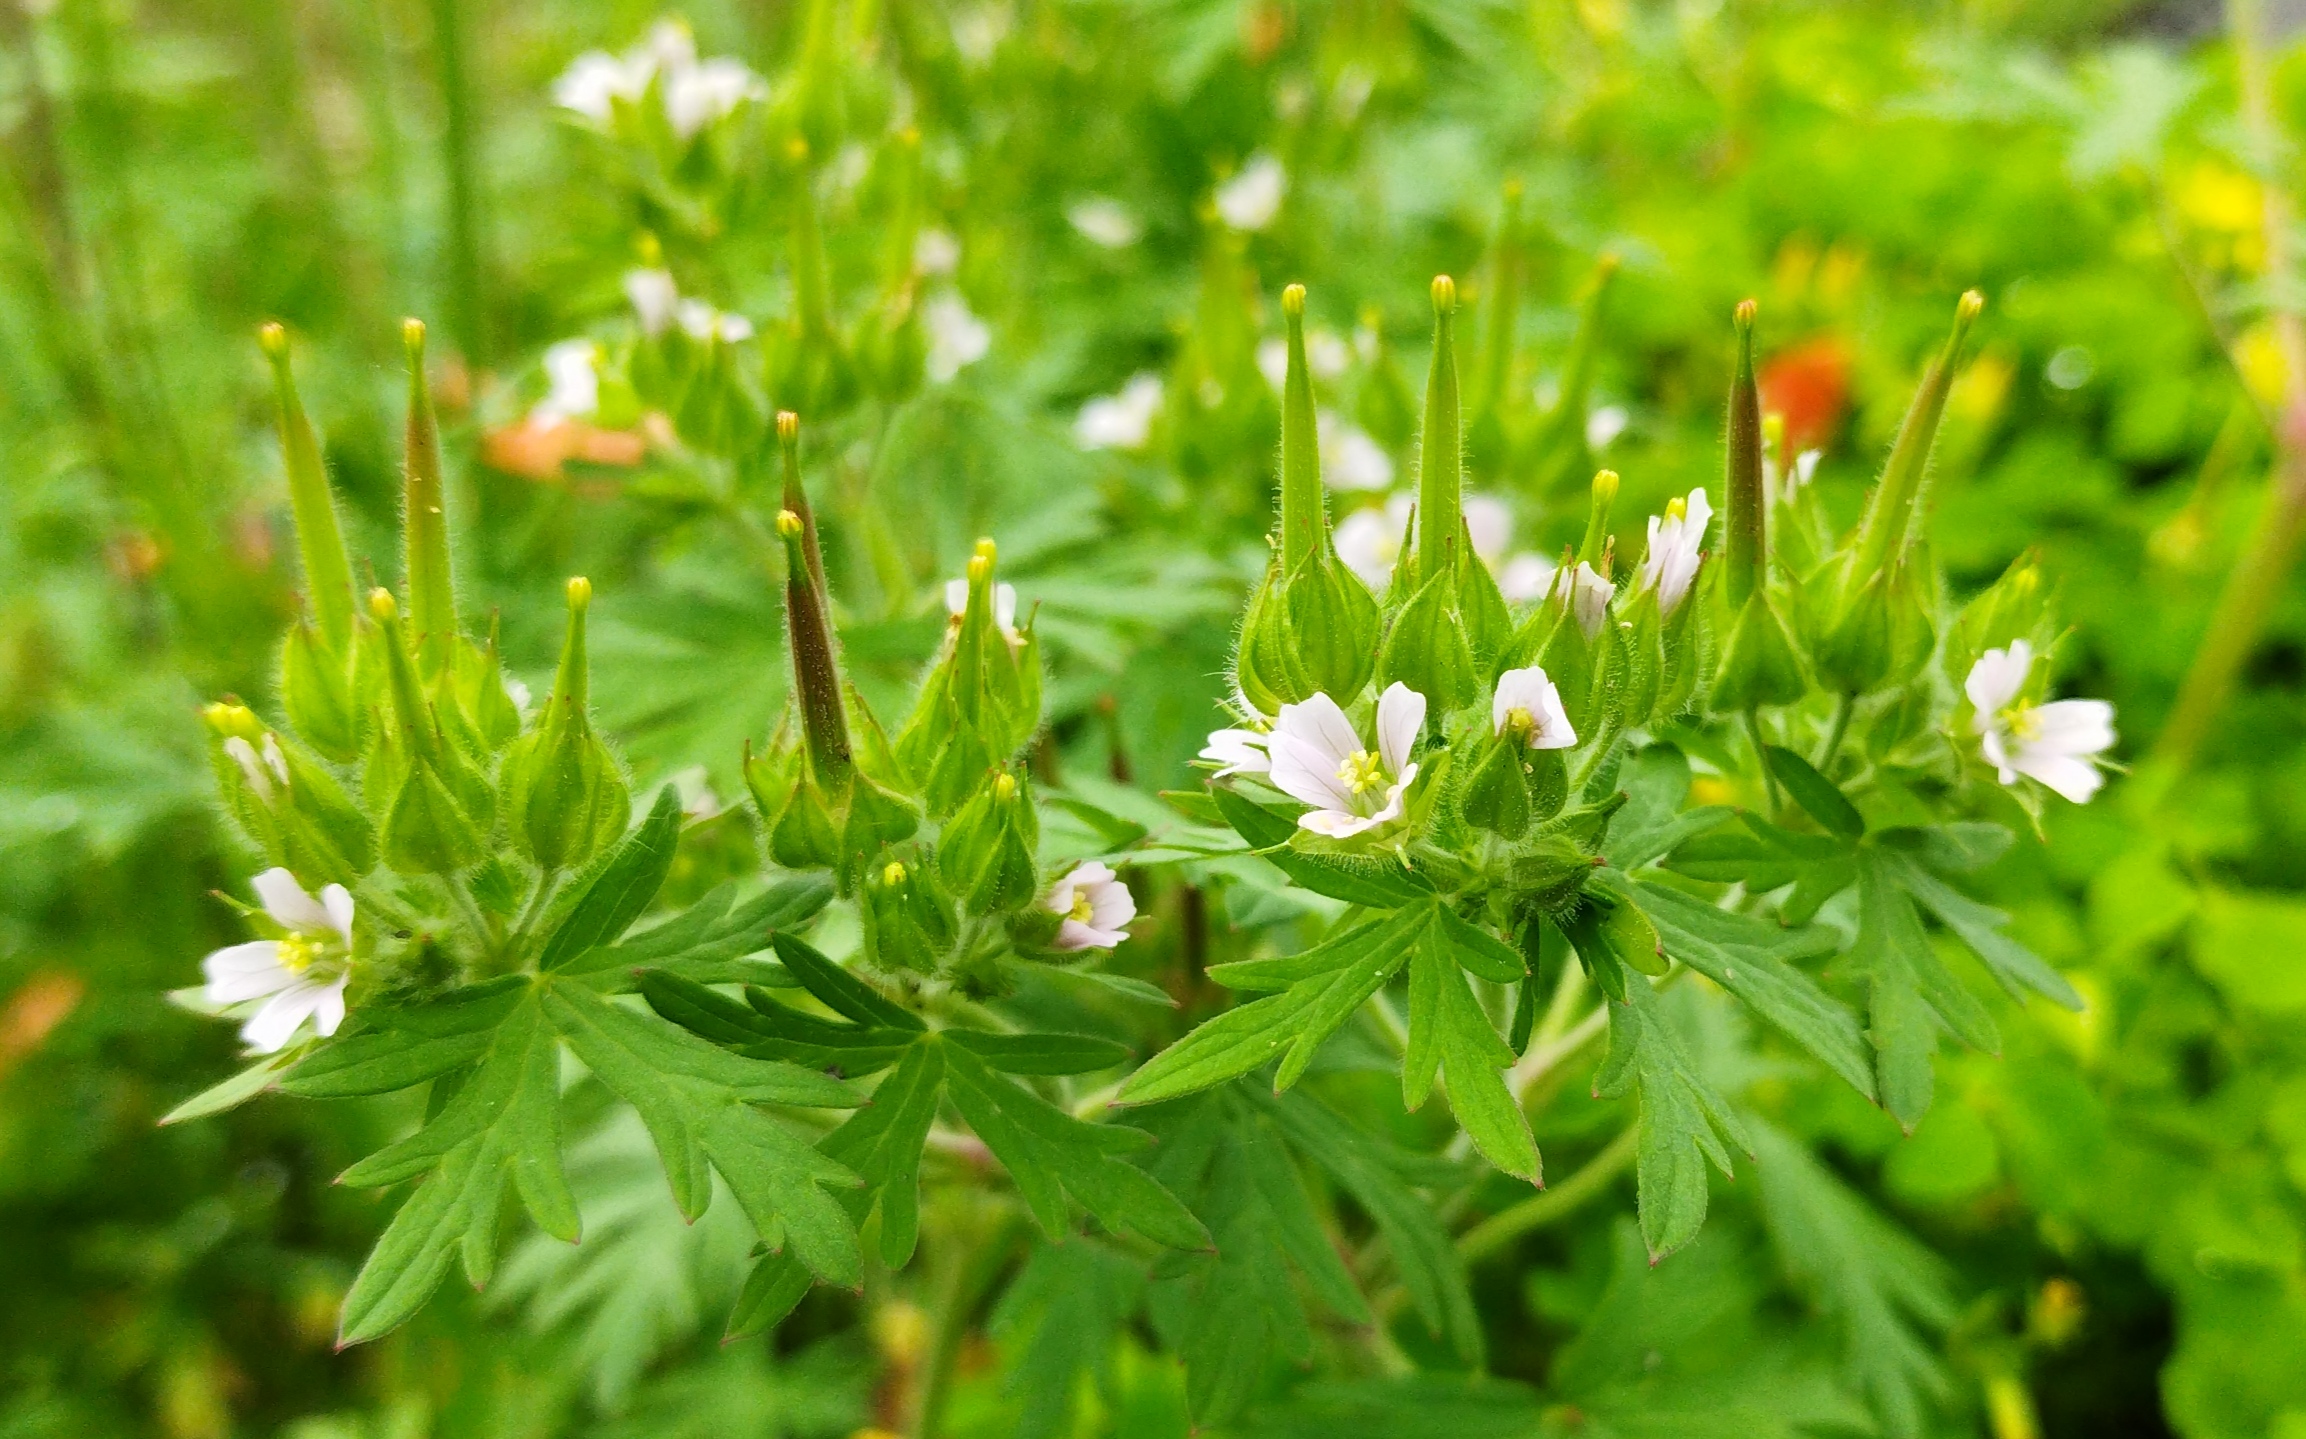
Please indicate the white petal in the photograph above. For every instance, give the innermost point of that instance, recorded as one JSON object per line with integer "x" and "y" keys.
{"x": 1554, "y": 731}
{"x": 1318, "y": 722}
{"x": 1306, "y": 773}
{"x": 1997, "y": 677}
{"x": 1368, "y": 544}
{"x": 2076, "y": 779}
{"x": 245, "y": 971}
{"x": 654, "y": 298}
{"x": 272, "y": 1026}
{"x": 288, "y": 903}
{"x": 1239, "y": 751}
{"x": 337, "y": 901}
{"x": 1106, "y": 222}
{"x": 1005, "y": 606}
{"x": 1526, "y": 577}
{"x": 1251, "y": 199}
{"x": 1400, "y": 715}
{"x": 1112, "y": 906}
{"x": 1334, "y": 823}
{"x": 1073, "y": 934}
{"x": 1604, "y": 425}
{"x": 328, "y": 1011}
{"x": 1392, "y": 808}
{"x": 2073, "y": 727}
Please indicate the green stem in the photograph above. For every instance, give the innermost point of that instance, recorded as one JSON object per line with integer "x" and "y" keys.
{"x": 2240, "y": 619}
{"x": 1441, "y": 457}
{"x": 463, "y": 189}
{"x": 1753, "y": 723}
{"x": 1844, "y": 706}
{"x": 1550, "y": 1205}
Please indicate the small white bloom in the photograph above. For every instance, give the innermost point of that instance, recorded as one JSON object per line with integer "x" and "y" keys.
{"x": 1605, "y": 425}
{"x": 1004, "y": 605}
{"x": 1319, "y": 760}
{"x": 517, "y": 692}
{"x": 1121, "y": 421}
{"x": 1369, "y": 541}
{"x": 1095, "y": 904}
{"x": 1676, "y": 545}
{"x": 573, "y": 382}
{"x": 594, "y": 81}
{"x": 1350, "y": 459}
{"x": 698, "y": 94}
{"x": 654, "y": 298}
{"x": 957, "y": 338}
{"x": 262, "y": 771}
{"x": 703, "y": 322}
{"x": 1273, "y": 360}
{"x": 1105, "y": 221}
{"x": 299, "y": 977}
{"x": 667, "y": 46}
{"x": 1526, "y": 577}
{"x": 1251, "y": 199}
{"x": 1237, "y": 751}
{"x": 936, "y": 252}
{"x": 1489, "y": 521}
{"x": 1589, "y": 596}
{"x": 1527, "y": 703}
{"x": 2056, "y": 743}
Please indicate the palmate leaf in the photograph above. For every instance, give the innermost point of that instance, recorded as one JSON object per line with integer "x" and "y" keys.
{"x": 1884, "y": 1289}
{"x": 621, "y": 888}
{"x": 1684, "y": 1123}
{"x": 1448, "y": 1027}
{"x": 1911, "y": 995}
{"x": 1979, "y": 926}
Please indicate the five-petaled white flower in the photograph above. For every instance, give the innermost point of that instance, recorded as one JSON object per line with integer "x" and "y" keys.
{"x": 695, "y": 93}
{"x": 2056, "y": 743}
{"x": 1589, "y": 596}
{"x": 1120, "y": 421}
{"x": 1320, "y": 760}
{"x": 1526, "y": 703}
{"x": 1095, "y": 906}
{"x": 299, "y": 976}
{"x": 1237, "y": 751}
{"x": 1251, "y": 199}
{"x": 1676, "y": 545}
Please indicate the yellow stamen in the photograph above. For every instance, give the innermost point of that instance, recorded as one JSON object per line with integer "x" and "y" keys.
{"x": 1080, "y": 910}
{"x": 296, "y": 953}
{"x": 1361, "y": 772}
{"x": 1519, "y": 720}
{"x": 1677, "y": 508}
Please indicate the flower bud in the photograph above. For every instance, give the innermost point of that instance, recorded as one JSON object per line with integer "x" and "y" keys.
{"x": 319, "y": 538}
{"x": 986, "y": 851}
{"x": 316, "y": 691}
{"x": 908, "y": 923}
{"x": 424, "y": 521}
{"x": 562, "y": 797}
{"x": 1548, "y": 873}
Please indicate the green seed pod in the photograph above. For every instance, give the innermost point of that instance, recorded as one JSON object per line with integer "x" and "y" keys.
{"x": 1745, "y": 515}
{"x": 907, "y": 924}
{"x": 1758, "y": 663}
{"x": 2016, "y": 607}
{"x": 876, "y": 819}
{"x": 1427, "y": 649}
{"x": 1441, "y": 457}
{"x": 424, "y": 521}
{"x": 438, "y": 807}
{"x": 328, "y": 837}
{"x": 319, "y": 538}
{"x": 1333, "y": 625}
{"x": 316, "y": 692}
{"x": 562, "y": 796}
{"x": 427, "y": 831}
{"x": 986, "y": 852}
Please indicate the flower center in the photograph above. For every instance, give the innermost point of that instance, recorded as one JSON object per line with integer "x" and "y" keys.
{"x": 1518, "y": 720}
{"x": 1677, "y": 508}
{"x": 1080, "y": 912}
{"x": 1361, "y": 772}
{"x": 297, "y": 953}
{"x": 2023, "y": 724}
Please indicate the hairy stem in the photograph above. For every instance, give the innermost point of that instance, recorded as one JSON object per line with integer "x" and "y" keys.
{"x": 1549, "y": 1205}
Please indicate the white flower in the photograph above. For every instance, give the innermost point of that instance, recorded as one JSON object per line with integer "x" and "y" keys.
{"x": 1370, "y": 540}
{"x": 1676, "y": 544}
{"x": 1004, "y": 605}
{"x": 1784, "y": 488}
{"x": 1318, "y": 759}
{"x": 1589, "y": 596}
{"x": 263, "y": 770}
{"x": 594, "y": 81}
{"x": 1120, "y": 421}
{"x": 301, "y": 976}
{"x": 1104, "y": 221}
{"x": 936, "y": 252}
{"x": 1604, "y": 425}
{"x": 654, "y": 298}
{"x": 1251, "y": 199}
{"x": 703, "y": 322}
{"x": 698, "y": 94}
{"x": 573, "y": 382}
{"x": 1526, "y": 577}
{"x": 2056, "y": 743}
{"x": 1237, "y": 751}
{"x": 1350, "y": 459}
{"x": 957, "y": 338}
{"x": 1095, "y": 905}
{"x": 1527, "y": 703}
{"x": 1273, "y": 360}
{"x": 1489, "y": 522}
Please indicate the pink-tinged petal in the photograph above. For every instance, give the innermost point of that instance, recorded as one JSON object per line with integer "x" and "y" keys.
{"x": 1400, "y": 715}
{"x": 273, "y": 1025}
{"x": 1318, "y": 722}
{"x": 328, "y": 1013}
{"x": 1073, "y": 934}
{"x": 2075, "y": 727}
{"x": 337, "y": 900}
{"x": 1997, "y": 677}
{"x": 2076, "y": 779}
{"x": 1392, "y": 807}
{"x": 288, "y": 903}
{"x": 245, "y": 971}
{"x": 1333, "y": 823}
{"x": 1307, "y": 773}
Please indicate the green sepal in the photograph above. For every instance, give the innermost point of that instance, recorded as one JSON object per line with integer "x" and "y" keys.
{"x": 1758, "y": 663}
{"x": 1427, "y": 648}
{"x": 803, "y": 836}
{"x": 1496, "y": 795}
{"x": 316, "y": 693}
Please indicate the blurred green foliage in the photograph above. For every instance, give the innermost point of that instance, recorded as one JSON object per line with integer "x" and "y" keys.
{"x": 2103, "y": 1230}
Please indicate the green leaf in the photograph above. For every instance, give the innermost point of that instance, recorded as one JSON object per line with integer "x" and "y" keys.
{"x": 1041, "y": 1053}
{"x": 1062, "y": 1317}
{"x": 1818, "y": 796}
{"x": 1886, "y": 1292}
{"x": 397, "y": 1047}
{"x": 1369, "y": 1170}
{"x": 698, "y": 1103}
{"x": 1910, "y": 993}
{"x": 761, "y": 1028}
{"x": 1446, "y": 1023}
{"x": 709, "y": 940}
{"x": 1979, "y": 926}
{"x": 1370, "y": 883}
{"x": 503, "y": 1124}
{"x": 1653, "y": 822}
{"x": 233, "y": 1092}
{"x": 1753, "y": 960}
{"x": 841, "y": 991}
{"x": 620, "y": 892}
{"x": 1683, "y": 1121}
{"x": 1050, "y": 1154}
{"x": 1291, "y": 1026}
{"x": 1477, "y": 951}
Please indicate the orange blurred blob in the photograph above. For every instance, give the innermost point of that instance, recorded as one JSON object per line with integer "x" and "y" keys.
{"x": 1810, "y": 386}
{"x": 540, "y": 450}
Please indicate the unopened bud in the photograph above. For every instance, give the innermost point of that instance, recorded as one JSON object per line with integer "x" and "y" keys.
{"x": 381, "y": 605}
{"x": 272, "y": 337}
{"x": 980, "y": 565}
{"x": 412, "y": 337}
{"x": 1444, "y": 294}
{"x": 1005, "y": 786}
{"x": 893, "y": 874}
{"x": 1293, "y": 301}
{"x": 580, "y": 592}
{"x": 788, "y": 524}
{"x": 788, "y": 427}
